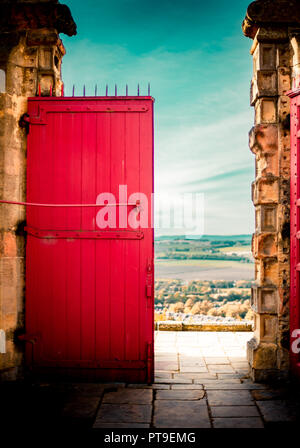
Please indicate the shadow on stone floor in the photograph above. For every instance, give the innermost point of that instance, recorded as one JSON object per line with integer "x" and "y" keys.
{"x": 201, "y": 381}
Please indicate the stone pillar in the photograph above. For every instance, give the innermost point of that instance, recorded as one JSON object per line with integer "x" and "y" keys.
{"x": 273, "y": 27}
{"x": 30, "y": 55}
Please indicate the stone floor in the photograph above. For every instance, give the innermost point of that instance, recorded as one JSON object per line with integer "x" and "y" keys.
{"x": 200, "y": 382}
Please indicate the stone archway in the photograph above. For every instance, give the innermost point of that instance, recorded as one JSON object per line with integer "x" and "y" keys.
{"x": 30, "y": 54}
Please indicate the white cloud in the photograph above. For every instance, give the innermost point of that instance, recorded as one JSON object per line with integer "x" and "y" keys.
{"x": 202, "y": 119}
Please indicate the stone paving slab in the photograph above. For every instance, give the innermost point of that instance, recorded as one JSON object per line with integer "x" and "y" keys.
{"x": 275, "y": 411}
{"x": 85, "y": 389}
{"x": 163, "y": 374}
{"x": 81, "y": 407}
{"x": 191, "y": 363}
{"x": 162, "y": 386}
{"x": 234, "y": 411}
{"x": 193, "y": 369}
{"x": 249, "y": 422}
{"x": 195, "y": 375}
{"x": 162, "y": 365}
{"x": 269, "y": 394}
{"x": 220, "y": 368}
{"x": 242, "y": 372}
{"x": 180, "y": 395}
{"x": 223, "y": 385}
{"x": 221, "y": 396}
{"x": 229, "y": 398}
{"x": 186, "y": 387}
{"x": 120, "y": 425}
{"x": 240, "y": 364}
{"x": 214, "y": 382}
{"x": 174, "y": 380}
{"x": 226, "y": 376}
{"x": 132, "y": 396}
{"x": 123, "y": 413}
{"x": 218, "y": 360}
{"x": 180, "y": 414}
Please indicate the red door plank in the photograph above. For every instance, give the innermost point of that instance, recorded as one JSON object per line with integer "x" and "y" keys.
{"x": 132, "y": 273}
{"x": 102, "y": 256}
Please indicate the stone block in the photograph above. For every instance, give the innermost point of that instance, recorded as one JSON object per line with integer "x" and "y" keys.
{"x": 41, "y": 37}
{"x": 264, "y": 84}
{"x": 266, "y": 328}
{"x": 8, "y": 300}
{"x": 264, "y": 299}
{"x": 264, "y": 57}
{"x": 267, "y": 164}
{"x": 263, "y": 138}
{"x": 265, "y": 190}
{"x": 9, "y": 244}
{"x": 284, "y": 80}
{"x": 9, "y": 322}
{"x": 283, "y": 106}
{"x": 8, "y": 272}
{"x": 262, "y": 356}
{"x": 29, "y": 81}
{"x": 265, "y": 111}
{"x": 272, "y": 35}
{"x": 264, "y": 245}
{"x": 269, "y": 271}
{"x": 46, "y": 81}
{"x": 283, "y": 56}
{"x": 266, "y": 218}
{"x": 295, "y": 44}
{"x": 46, "y": 58}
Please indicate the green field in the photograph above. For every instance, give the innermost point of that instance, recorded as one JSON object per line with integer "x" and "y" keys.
{"x": 207, "y": 258}
{"x": 201, "y": 263}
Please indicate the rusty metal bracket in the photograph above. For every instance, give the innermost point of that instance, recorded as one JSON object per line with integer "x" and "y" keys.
{"x": 149, "y": 362}
{"x": 149, "y": 280}
{"x": 24, "y": 122}
{"x": 85, "y": 234}
{"x": 27, "y": 337}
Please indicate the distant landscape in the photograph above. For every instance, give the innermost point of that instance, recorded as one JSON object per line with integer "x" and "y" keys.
{"x": 203, "y": 278}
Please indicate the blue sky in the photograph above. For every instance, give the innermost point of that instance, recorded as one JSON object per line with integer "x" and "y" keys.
{"x": 195, "y": 56}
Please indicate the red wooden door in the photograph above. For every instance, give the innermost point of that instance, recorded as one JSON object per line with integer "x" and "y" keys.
{"x": 295, "y": 233}
{"x": 89, "y": 288}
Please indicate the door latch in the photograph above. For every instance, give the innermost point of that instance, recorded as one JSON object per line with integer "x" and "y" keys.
{"x": 149, "y": 279}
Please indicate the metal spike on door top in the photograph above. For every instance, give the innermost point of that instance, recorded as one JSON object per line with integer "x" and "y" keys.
{"x": 113, "y": 92}
{"x": 96, "y": 90}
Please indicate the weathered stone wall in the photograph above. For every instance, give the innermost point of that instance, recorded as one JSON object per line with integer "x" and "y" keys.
{"x": 29, "y": 57}
{"x": 275, "y": 66}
